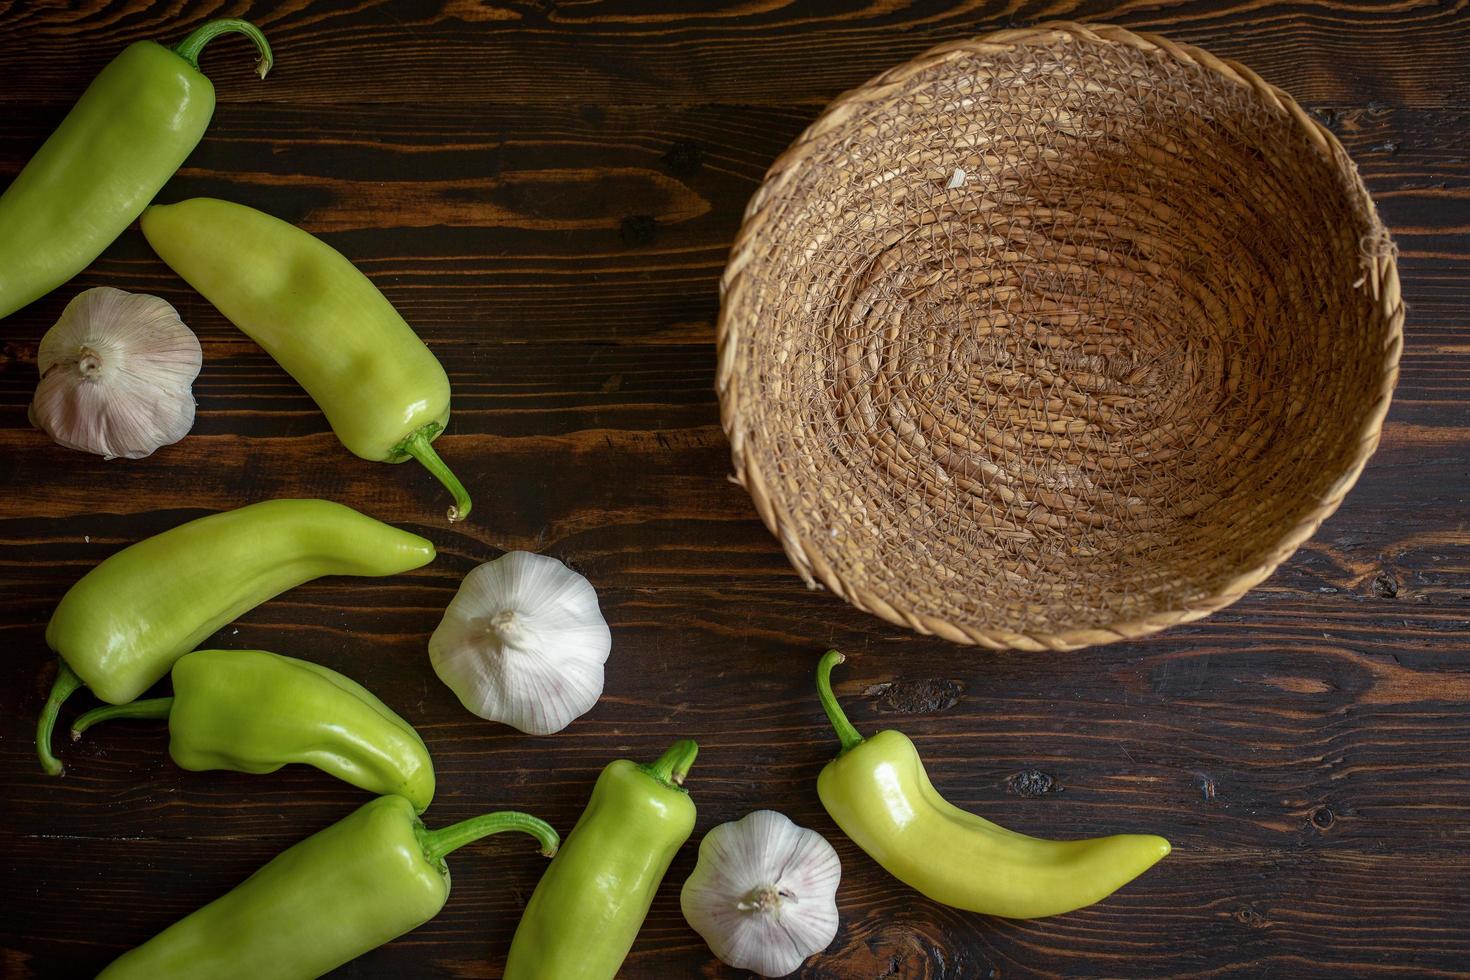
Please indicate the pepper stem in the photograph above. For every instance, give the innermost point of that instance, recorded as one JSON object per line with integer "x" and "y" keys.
{"x": 152, "y": 708}
{"x": 190, "y": 47}
{"x": 846, "y": 734}
{"x": 63, "y": 687}
{"x": 419, "y": 447}
{"x": 671, "y": 767}
{"x": 439, "y": 844}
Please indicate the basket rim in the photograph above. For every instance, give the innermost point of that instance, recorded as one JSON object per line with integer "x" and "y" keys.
{"x": 1381, "y": 273}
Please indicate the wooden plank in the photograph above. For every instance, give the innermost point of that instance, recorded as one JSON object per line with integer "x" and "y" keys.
{"x": 489, "y": 51}
{"x": 1268, "y": 914}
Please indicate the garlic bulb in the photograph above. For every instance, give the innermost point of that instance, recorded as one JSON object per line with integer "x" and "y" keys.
{"x": 523, "y": 643}
{"x": 763, "y": 893}
{"x": 116, "y": 372}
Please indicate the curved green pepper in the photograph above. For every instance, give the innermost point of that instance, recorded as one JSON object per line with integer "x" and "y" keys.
{"x": 877, "y": 791}
{"x": 127, "y": 134}
{"x": 126, "y": 622}
{"x": 588, "y": 907}
{"x": 384, "y": 393}
{"x": 367, "y": 879}
{"x": 255, "y": 711}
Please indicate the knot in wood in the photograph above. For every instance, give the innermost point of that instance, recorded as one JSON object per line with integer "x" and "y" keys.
{"x": 1032, "y": 782}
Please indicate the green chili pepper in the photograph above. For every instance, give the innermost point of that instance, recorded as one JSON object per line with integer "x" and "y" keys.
{"x": 126, "y": 622}
{"x": 117, "y": 147}
{"x": 254, "y": 711}
{"x": 877, "y": 791}
{"x": 587, "y": 909}
{"x": 384, "y": 393}
{"x": 367, "y": 879}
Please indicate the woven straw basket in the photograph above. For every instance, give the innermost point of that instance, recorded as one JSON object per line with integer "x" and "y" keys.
{"x": 1056, "y": 337}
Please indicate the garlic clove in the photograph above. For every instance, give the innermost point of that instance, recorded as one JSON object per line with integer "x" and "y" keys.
{"x": 763, "y": 893}
{"x": 523, "y": 642}
{"x": 116, "y": 375}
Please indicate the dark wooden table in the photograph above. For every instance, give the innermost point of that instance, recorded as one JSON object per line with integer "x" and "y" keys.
{"x": 547, "y": 191}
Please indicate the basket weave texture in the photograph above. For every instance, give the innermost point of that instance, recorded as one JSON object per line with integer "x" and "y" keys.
{"x": 1056, "y": 337}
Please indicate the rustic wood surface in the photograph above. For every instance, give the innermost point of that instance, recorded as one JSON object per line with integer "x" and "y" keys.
{"x": 547, "y": 190}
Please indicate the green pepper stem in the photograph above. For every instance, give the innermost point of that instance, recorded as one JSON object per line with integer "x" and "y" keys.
{"x": 671, "y": 767}
{"x": 190, "y": 47}
{"x": 438, "y": 844}
{"x": 419, "y": 447}
{"x": 846, "y": 734}
{"x": 152, "y": 708}
{"x": 65, "y": 686}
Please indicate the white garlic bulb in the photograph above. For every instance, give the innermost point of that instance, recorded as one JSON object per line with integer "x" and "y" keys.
{"x": 116, "y": 372}
{"x": 523, "y": 642}
{"x": 763, "y": 893}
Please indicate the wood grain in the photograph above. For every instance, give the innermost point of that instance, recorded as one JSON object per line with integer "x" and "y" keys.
{"x": 739, "y": 51}
{"x": 548, "y": 192}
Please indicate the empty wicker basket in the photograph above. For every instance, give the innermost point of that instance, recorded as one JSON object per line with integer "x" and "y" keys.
{"x": 1056, "y": 337}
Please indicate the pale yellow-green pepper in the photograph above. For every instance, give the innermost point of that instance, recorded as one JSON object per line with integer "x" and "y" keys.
{"x": 879, "y": 794}
{"x": 384, "y": 393}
